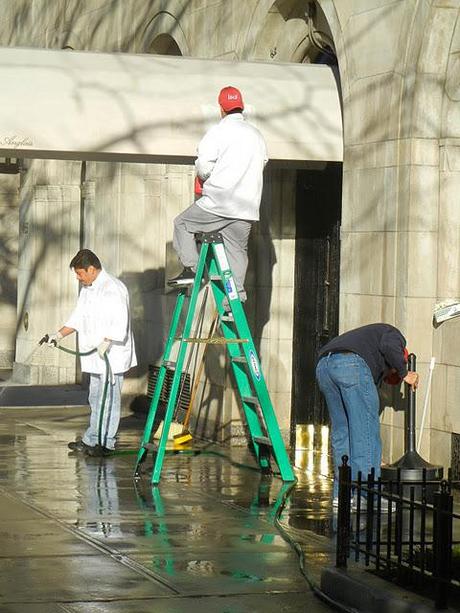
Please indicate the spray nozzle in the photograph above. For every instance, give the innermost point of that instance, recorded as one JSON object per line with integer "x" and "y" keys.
{"x": 46, "y": 339}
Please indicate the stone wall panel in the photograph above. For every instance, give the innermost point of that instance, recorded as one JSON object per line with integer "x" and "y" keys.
{"x": 373, "y": 40}
{"x": 400, "y": 251}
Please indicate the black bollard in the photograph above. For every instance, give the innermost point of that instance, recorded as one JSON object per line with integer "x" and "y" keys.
{"x": 411, "y": 466}
{"x": 343, "y": 515}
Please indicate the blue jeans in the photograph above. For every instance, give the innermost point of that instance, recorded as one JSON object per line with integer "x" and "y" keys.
{"x": 111, "y": 418}
{"x": 353, "y": 404}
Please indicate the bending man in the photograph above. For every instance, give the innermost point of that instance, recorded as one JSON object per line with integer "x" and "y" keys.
{"x": 230, "y": 163}
{"x": 349, "y": 371}
{"x": 102, "y": 319}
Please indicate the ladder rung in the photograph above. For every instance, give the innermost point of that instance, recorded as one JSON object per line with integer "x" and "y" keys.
{"x": 241, "y": 359}
{"x": 170, "y": 365}
{"x": 227, "y": 318}
{"x": 263, "y": 440}
{"x": 250, "y": 400}
{"x": 149, "y": 446}
{"x": 216, "y": 340}
{"x": 215, "y": 278}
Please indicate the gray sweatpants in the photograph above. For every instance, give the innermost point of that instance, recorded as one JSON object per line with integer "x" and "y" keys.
{"x": 235, "y": 233}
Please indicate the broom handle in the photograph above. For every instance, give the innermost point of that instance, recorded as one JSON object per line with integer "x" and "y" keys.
{"x": 212, "y": 329}
{"x": 425, "y": 405}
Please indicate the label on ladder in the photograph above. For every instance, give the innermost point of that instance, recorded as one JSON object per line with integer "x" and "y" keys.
{"x": 221, "y": 257}
{"x": 230, "y": 287}
{"x": 254, "y": 365}
{"x": 227, "y": 273}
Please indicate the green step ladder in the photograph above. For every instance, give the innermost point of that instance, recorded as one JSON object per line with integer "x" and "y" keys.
{"x": 255, "y": 400}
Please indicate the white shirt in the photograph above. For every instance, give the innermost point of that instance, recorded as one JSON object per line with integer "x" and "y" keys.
{"x": 231, "y": 159}
{"x": 102, "y": 311}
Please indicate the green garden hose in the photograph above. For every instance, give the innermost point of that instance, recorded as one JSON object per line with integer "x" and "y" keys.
{"x": 108, "y": 374}
{"x": 204, "y": 451}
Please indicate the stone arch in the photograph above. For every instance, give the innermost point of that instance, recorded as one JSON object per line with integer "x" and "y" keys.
{"x": 448, "y": 282}
{"x": 164, "y": 35}
{"x": 436, "y": 120}
{"x": 285, "y": 31}
{"x": 329, "y": 14}
{"x": 164, "y": 44}
{"x": 294, "y": 31}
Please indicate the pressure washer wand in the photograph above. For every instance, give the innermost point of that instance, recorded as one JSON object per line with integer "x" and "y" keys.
{"x": 45, "y": 339}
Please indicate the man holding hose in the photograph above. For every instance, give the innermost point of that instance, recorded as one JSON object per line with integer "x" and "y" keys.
{"x": 102, "y": 320}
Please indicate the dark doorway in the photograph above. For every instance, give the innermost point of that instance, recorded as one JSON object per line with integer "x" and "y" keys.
{"x": 316, "y": 294}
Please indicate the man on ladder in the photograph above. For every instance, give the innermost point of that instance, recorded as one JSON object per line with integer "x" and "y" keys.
{"x": 231, "y": 159}
{"x": 230, "y": 164}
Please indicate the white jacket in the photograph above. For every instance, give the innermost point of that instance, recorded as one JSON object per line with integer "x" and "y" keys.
{"x": 102, "y": 311}
{"x": 231, "y": 159}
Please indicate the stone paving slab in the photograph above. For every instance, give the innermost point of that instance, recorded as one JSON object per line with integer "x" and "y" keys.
{"x": 66, "y": 578}
{"x": 229, "y": 573}
{"x": 33, "y": 538}
{"x": 243, "y": 603}
{"x": 79, "y": 535}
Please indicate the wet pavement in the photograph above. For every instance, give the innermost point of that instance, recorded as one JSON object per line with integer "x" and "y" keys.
{"x": 79, "y": 535}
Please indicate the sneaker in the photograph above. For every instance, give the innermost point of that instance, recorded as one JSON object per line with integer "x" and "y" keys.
{"x": 78, "y": 446}
{"x": 186, "y": 277}
{"x": 98, "y": 451}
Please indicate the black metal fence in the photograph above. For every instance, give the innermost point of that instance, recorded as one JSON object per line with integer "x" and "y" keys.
{"x": 404, "y": 530}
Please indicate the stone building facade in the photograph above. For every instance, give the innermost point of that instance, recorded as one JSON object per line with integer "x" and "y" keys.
{"x": 397, "y": 66}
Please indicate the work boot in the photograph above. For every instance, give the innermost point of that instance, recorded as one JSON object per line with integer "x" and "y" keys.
{"x": 78, "y": 446}
{"x": 99, "y": 451}
{"x": 186, "y": 277}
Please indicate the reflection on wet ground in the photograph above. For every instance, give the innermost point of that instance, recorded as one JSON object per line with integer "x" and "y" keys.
{"x": 78, "y": 535}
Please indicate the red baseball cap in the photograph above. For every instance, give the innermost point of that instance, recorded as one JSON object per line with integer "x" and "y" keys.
{"x": 392, "y": 378}
{"x": 230, "y": 98}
